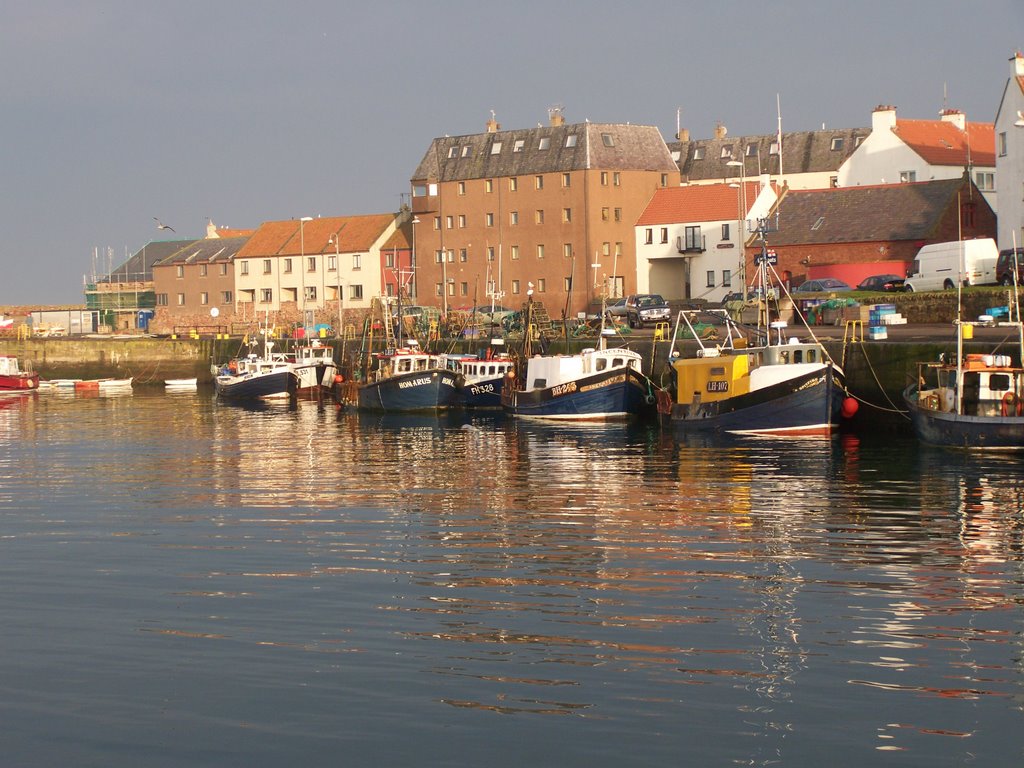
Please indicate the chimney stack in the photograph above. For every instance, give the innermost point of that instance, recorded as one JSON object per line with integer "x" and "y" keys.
{"x": 493, "y": 126}
{"x": 683, "y": 134}
{"x": 954, "y": 116}
{"x": 1018, "y": 64}
{"x": 720, "y": 131}
{"x": 555, "y": 117}
{"x": 883, "y": 118}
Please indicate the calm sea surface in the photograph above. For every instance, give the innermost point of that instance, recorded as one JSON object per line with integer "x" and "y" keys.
{"x": 188, "y": 583}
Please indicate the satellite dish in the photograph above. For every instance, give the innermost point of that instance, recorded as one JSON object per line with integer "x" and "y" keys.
{"x": 214, "y": 311}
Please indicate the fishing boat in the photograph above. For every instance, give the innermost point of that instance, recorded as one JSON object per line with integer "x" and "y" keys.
{"x": 257, "y": 376}
{"x": 181, "y": 384}
{"x": 973, "y": 401}
{"x": 778, "y": 386}
{"x": 482, "y": 376}
{"x": 103, "y": 385}
{"x": 314, "y": 367}
{"x": 596, "y": 384}
{"x": 397, "y": 379}
{"x": 13, "y": 378}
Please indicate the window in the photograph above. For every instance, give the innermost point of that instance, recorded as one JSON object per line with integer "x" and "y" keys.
{"x": 518, "y": 145}
{"x": 437, "y": 289}
{"x": 451, "y": 255}
{"x": 711, "y": 278}
{"x": 664, "y": 179}
{"x": 515, "y": 286}
{"x": 833, "y": 181}
{"x": 287, "y": 266}
{"x": 181, "y": 299}
{"x": 419, "y": 190}
{"x": 606, "y": 249}
{"x": 773, "y": 148}
{"x": 180, "y": 270}
{"x": 204, "y": 298}
{"x": 267, "y": 266}
{"x": 453, "y": 151}
{"x": 570, "y": 140}
{"x": 161, "y": 299}
{"x": 462, "y": 221}
{"x": 513, "y": 217}
{"x": 604, "y": 214}
{"x": 618, "y": 248}
{"x": 617, "y": 179}
{"x": 332, "y": 263}
{"x": 243, "y": 268}
{"x": 463, "y": 255}
{"x": 698, "y": 153}
{"x": 544, "y": 143}
{"x": 202, "y": 270}
{"x": 449, "y": 222}
{"x": 725, "y": 231}
{"x": 311, "y": 263}
{"x": 567, "y": 250}
{"x": 752, "y": 149}
{"x": 664, "y": 235}
{"x": 389, "y": 259}
{"x": 496, "y": 148}
{"x": 604, "y": 178}
{"x": 837, "y": 143}
{"x": 266, "y": 295}
{"x": 648, "y": 236}
{"x": 566, "y": 179}
{"x": 309, "y": 293}
{"x": 357, "y": 261}
{"x": 694, "y": 241}
{"x": 465, "y": 151}
{"x": 607, "y": 139}
{"x": 389, "y": 290}
{"x": 462, "y": 187}
{"x": 538, "y": 216}
{"x": 438, "y": 256}
{"x": 567, "y": 215}
{"x": 726, "y": 151}
{"x": 1002, "y": 143}
{"x": 538, "y": 182}
{"x": 223, "y": 269}
{"x": 541, "y": 285}
{"x": 490, "y": 253}
{"x": 225, "y": 297}
{"x": 464, "y": 289}
{"x": 817, "y": 224}
{"x": 985, "y": 181}
{"x": 437, "y": 223}
{"x": 727, "y": 278}
{"x": 540, "y": 250}
{"x": 513, "y": 184}
{"x": 908, "y": 177}
{"x": 618, "y": 214}
{"x": 488, "y": 185}
{"x": 567, "y": 284}
{"x": 515, "y": 253}
{"x": 489, "y": 219}
{"x": 355, "y": 292}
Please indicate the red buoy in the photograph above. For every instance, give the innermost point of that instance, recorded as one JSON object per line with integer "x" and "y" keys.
{"x": 850, "y": 406}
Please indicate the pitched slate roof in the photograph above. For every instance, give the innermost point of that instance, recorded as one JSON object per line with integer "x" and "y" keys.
{"x": 206, "y": 251}
{"x": 940, "y": 142}
{"x": 802, "y": 152}
{"x": 886, "y": 212}
{"x": 284, "y": 238}
{"x": 545, "y": 149}
{"x": 140, "y": 266}
{"x": 711, "y": 202}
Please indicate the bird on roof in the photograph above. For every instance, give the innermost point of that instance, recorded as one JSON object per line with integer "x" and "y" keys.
{"x": 161, "y": 225}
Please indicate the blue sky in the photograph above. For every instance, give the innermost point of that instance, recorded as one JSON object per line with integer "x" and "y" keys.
{"x": 119, "y": 112}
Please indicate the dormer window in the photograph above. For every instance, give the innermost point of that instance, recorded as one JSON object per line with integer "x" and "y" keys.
{"x": 607, "y": 139}
{"x": 465, "y": 151}
{"x": 751, "y": 149}
{"x": 570, "y": 140}
{"x": 496, "y": 148}
{"x": 726, "y": 151}
{"x": 698, "y": 153}
{"x": 453, "y": 152}
{"x": 774, "y": 148}
{"x": 837, "y": 143}
{"x": 545, "y": 143}
{"x": 518, "y": 146}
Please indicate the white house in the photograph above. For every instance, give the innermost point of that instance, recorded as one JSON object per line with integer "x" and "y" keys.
{"x": 1009, "y": 132}
{"x": 690, "y": 240}
{"x": 901, "y": 151}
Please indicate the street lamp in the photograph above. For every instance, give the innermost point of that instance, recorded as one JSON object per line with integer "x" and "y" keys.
{"x": 412, "y": 259}
{"x": 337, "y": 266}
{"x": 302, "y": 265}
{"x": 742, "y": 217}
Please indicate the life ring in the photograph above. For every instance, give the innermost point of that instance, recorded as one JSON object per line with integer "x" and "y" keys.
{"x": 1012, "y": 405}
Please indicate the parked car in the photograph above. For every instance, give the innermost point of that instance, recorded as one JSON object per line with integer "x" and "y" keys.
{"x": 822, "y": 285}
{"x": 486, "y": 314}
{"x": 644, "y": 308}
{"x": 617, "y": 309}
{"x": 881, "y": 283}
{"x": 1004, "y": 267}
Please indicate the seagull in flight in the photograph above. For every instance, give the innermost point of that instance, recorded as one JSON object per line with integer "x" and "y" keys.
{"x": 161, "y": 225}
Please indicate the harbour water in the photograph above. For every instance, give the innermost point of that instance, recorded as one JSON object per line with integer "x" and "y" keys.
{"x": 193, "y": 583}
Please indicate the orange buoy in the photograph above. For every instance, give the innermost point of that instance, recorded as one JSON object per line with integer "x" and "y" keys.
{"x": 850, "y": 408}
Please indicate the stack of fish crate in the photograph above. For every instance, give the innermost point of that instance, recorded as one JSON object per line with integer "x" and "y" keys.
{"x": 880, "y": 316}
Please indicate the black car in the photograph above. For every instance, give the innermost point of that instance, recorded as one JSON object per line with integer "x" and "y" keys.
{"x": 644, "y": 308}
{"x": 1004, "y": 267}
{"x": 888, "y": 283}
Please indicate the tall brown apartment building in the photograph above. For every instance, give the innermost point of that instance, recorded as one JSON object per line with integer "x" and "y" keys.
{"x": 498, "y": 211}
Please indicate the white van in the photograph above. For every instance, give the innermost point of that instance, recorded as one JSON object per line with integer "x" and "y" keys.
{"x": 939, "y": 266}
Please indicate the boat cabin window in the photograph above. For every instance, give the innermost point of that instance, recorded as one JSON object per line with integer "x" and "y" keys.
{"x": 999, "y": 382}
{"x": 618, "y": 362}
{"x": 798, "y": 355}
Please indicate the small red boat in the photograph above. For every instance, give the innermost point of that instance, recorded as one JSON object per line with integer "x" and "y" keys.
{"x": 13, "y": 379}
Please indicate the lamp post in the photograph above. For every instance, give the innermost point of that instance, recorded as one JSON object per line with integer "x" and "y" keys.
{"x": 741, "y": 235}
{"x": 412, "y": 260}
{"x": 337, "y": 268}
{"x": 302, "y": 265}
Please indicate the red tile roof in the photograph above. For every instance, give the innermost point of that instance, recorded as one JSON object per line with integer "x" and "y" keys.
{"x": 283, "y": 238}
{"x": 705, "y": 202}
{"x": 940, "y": 142}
